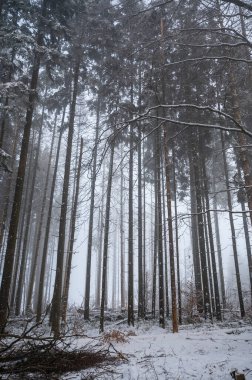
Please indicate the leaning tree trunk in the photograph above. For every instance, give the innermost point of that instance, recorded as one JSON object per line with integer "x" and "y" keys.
{"x": 14, "y": 220}
{"x": 91, "y": 215}
{"x": 106, "y": 235}
{"x": 57, "y": 295}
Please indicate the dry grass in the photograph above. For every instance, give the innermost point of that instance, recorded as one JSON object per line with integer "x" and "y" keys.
{"x": 117, "y": 336}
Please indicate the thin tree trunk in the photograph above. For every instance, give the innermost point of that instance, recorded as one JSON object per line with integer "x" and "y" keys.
{"x": 160, "y": 237}
{"x": 48, "y": 225}
{"x": 212, "y": 307}
{"x": 106, "y": 236}
{"x": 72, "y": 236}
{"x": 194, "y": 236}
{"x": 177, "y": 240}
{"x": 200, "y": 225}
{"x": 233, "y": 235}
{"x": 41, "y": 219}
{"x": 130, "y": 237}
{"x": 155, "y": 247}
{"x": 140, "y": 229}
{"x": 165, "y": 243}
{"x": 100, "y": 237}
{"x": 122, "y": 240}
{"x": 91, "y": 215}
{"x": 211, "y": 242}
{"x": 246, "y": 231}
{"x": 217, "y": 234}
{"x": 170, "y": 228}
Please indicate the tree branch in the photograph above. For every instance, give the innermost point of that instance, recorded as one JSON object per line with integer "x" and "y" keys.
{"x": 239, "y": 3}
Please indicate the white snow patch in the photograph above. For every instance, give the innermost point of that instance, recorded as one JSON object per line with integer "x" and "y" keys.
{"x": 205, "y": 352}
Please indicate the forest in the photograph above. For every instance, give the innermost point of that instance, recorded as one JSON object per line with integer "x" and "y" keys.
{"x": 125, "y": 171}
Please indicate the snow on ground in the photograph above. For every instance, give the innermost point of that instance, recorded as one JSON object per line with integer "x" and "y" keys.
{"x": 202, "y": 352}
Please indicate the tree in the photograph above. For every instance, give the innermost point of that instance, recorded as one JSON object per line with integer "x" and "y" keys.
{"x": 11, "y": 244}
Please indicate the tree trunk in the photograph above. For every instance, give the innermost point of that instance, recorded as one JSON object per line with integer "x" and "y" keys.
{"x": 140, "y": 229}
{"x": 106, "y": 235}
{"x": 41, "y": 219}
{"x": 91, "y": 215}
{"x": 47, "y": 229}
{"x": 200, "y": 225}
{"x": 122, "y": 240}
{"x": 165, "y": 243}
{"x": 28, "y": 222}
{"x": 243, "y": 152}
{"x": 155, "y": 247}
{"x": 170, "y": 228}
{"x": 160, "y": 237}
{"x": 100, "y": 237}
{"x": 177, "y": 240}
{"x": 9, "y": 193}
{"x": 57, "y": 295}
{"x": 194, "y": 236}
{"x": 211, "y": 242}
{"x": 72, "y": 235}
{"x": 217, "y": 233}
{"x": 233, "y": 235}
{"x": 245, "y": 227}
{"x": 130, "y": 237}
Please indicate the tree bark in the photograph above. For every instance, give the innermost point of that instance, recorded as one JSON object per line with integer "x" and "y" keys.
{"x": 130, "y": 241}
{"x": 106, "y": 235}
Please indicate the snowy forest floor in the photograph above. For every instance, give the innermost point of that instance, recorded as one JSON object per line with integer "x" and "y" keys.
{"x": 146, "y": 351}
{"x": 204, "y": 351}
